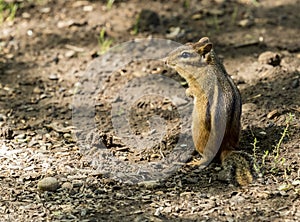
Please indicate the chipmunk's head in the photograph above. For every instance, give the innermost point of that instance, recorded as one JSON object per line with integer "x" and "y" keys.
{"x": 190, "y": 54}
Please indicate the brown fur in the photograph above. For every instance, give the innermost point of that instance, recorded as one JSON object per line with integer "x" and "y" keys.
{"x": 207, "y": 78}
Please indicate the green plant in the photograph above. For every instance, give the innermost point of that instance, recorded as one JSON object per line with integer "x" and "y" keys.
{"x": 277, "y": 159}
{"x": 256, "y": 165}
{"x": 264, "y": 157}
{"x": 103, "y": 41}
{"x": 216, "y": 22}
{"x": 283, "y": 135}
{"x": 186, "y": 4}
{"x": 8, "y": 10}
{"x": 109, "y": 4}
{"x": 135, "y": 30}
{"x": 255, "y": 3}
{"x": 234, "y": 14}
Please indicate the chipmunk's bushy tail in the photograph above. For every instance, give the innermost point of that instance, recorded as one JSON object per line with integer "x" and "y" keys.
{"x": 237, "y": 168}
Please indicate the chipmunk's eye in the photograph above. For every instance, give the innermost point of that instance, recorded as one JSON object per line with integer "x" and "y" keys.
{"x": 185, "y": 55}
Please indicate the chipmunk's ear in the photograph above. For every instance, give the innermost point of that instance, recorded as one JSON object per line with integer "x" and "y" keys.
{"x": 206, "y": 49}
{"x": 204, "y": 40}
{"x": 203, "y": 46}
{"x": 203, "y": 49}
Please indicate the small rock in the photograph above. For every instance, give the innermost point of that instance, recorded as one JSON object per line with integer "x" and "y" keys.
{"x": 64, "y": 24}
{"x": 149, "y": 184}
{"x": 283, "y": 193}
{"x": 270, "y": 58}
{"x": 158, "y": 211}
{"x": 45, "y": 10}
{"x": 168, "y": 209}
{"x": 9, "y": 56}
{"x": 273, "y": 114}
{"x": 296, "y": 182}
{"x": 53, "y": 76}
{"x": 37, "y": 90}
{"x": 88, "y": 8}
{"x": 174, "y": 32}
{"x": 178, "y": 101}
{"x": 249, "y": 107}
{"x": 70, "y": 53}
{"x": 67, "y": 186}
{"x": 43, "y": 96}
{"x": 67, "y": 136}
{"x": 48, "y": 184}
{"x": 218, "y": 168}
{"x": 154, "y": 156}
{"x": 262, "y": 133}
{"x": 295, "y": 83}
{"x": 284, "y": 187}
{"x": 237, "y": 199}
{"x": 123, "y": 158}
{"x": 26, "y": 15}
{"x": 245, "y": 23}
{"x": 20, "y": 136}
{"x": 197, "y": 16}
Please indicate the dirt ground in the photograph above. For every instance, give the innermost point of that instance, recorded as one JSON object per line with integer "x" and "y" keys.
{"x": 54, "y": 62}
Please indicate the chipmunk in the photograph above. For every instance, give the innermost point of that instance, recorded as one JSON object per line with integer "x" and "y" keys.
{"x": 216, "y": 118}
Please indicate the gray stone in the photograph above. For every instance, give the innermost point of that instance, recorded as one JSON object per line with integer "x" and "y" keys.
{"x": 48, "y": 184}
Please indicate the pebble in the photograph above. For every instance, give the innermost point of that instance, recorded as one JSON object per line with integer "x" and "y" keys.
{"x": 245, "y": 23}
{"x": 174, "y": 32}
{"x": 48, "y": 184}
{"x": 237, "y": 200}
{"x": 20, "y": 136}
{"x": 295, "y": 83}
{"x": 45, "y": 10}
{"x": 70, "y": 53}
{"x": 273, "y": 114}
{"x": 37, "y": 90}
{"x": 88, "y": 8}
{"x": 158, "y": 211}
{"x": 64, "y": 24}
{"x": 26, "y": 15}
{"x": 296, "y": 182}
{"x": 149, "y": 184}
{"x": 197, "y": 16}
{"x": 178, "y": 101}
{"x": 53, "y": 76}
{"x": 168, "y": 209}
{"x": 283, "y": 193}
{"x": 249, "y": 107}
{"x": 67, "y": 186}
{"x": 67, "y": 136}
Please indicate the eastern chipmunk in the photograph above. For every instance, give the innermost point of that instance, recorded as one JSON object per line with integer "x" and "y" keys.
{"x": 217, "y": 108}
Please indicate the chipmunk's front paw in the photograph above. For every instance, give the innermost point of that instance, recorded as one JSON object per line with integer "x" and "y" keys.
{"x": 200, "y": 163}
{"x": 236, "y": 169}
